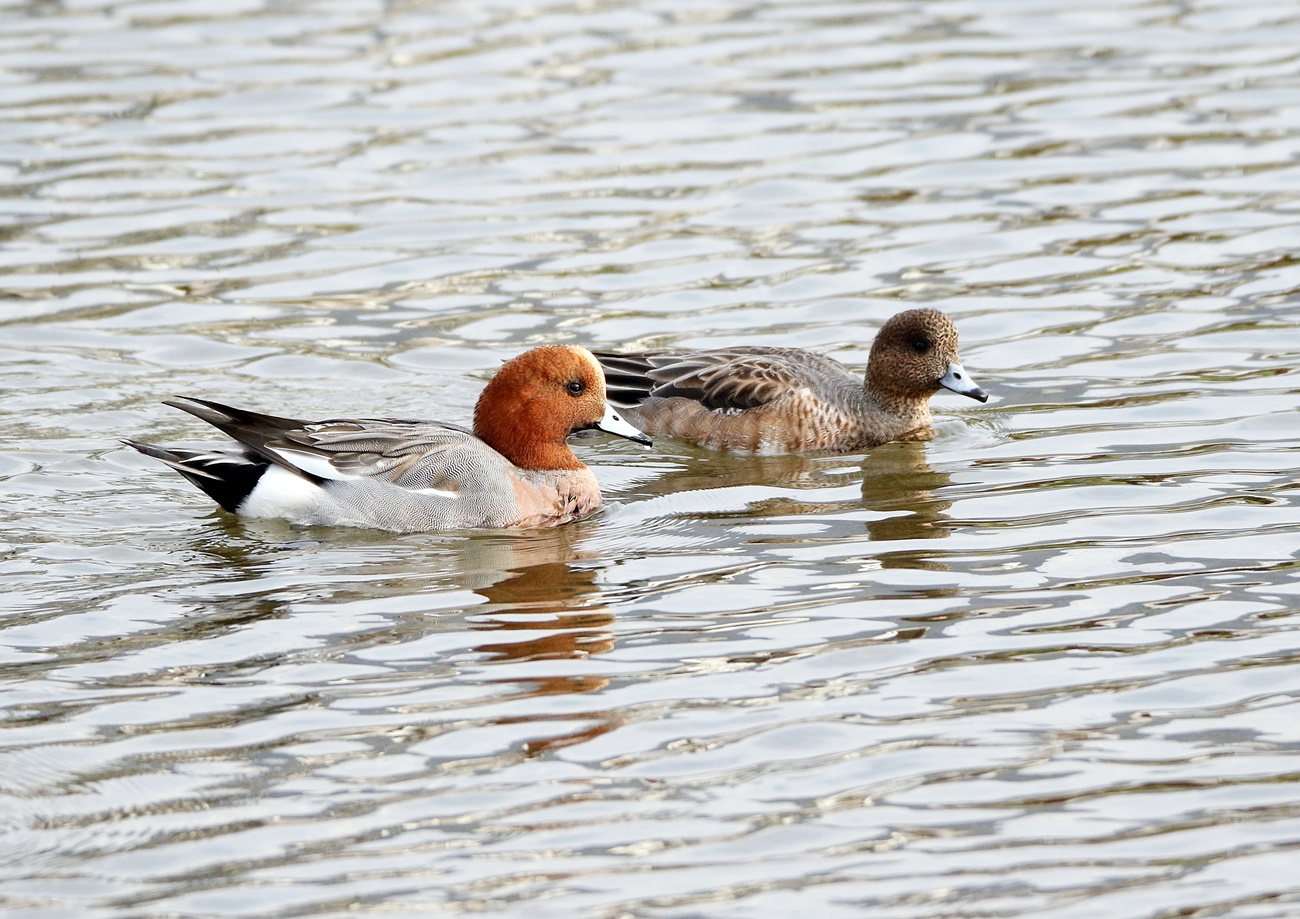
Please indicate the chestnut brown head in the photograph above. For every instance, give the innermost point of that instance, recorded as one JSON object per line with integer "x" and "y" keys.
{"x": 536, "y": 400}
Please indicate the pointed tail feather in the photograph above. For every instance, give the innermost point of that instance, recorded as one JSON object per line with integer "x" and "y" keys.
{"x": 258, "y": 433}
{"x": 226, "y": 478}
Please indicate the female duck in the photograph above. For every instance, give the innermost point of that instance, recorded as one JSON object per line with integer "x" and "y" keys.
{"x": 784, "y": 400}
{"x": 513, "y": 470}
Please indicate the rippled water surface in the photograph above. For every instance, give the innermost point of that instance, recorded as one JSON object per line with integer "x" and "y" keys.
{"x": 1047, "y": 664}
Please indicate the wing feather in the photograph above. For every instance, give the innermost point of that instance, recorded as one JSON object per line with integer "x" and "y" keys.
{"x": 725, "y": 380}
{"x": 410, "y": 454}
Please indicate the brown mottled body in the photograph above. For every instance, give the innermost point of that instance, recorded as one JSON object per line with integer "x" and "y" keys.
{"x": 797, "y": 421}
{"x": 786, "y": 400}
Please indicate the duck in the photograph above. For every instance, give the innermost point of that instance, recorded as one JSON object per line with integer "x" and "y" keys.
{"x": 513, "y": 469}
{"x": 770, "y": 400}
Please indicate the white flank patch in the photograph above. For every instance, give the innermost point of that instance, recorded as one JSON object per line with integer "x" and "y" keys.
{"x": 314, "y": 464}
{"x": 436, "y": 492}
{"x": 281, "y": 493}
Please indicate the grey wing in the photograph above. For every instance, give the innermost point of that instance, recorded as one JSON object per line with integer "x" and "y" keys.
{"x": 380, "y": 472}
{"x": 734, "y": 379}
{"x": 422, "y": 455}
{"x": 407, "y": 454}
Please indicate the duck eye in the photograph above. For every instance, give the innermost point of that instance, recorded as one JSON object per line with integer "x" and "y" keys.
{"x": 920, "y": 345}
{"x": 575, "y": 387}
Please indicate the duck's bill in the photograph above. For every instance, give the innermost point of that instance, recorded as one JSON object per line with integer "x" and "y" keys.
{"x": 613, "y": 423}
{"x": 959, "y": 381}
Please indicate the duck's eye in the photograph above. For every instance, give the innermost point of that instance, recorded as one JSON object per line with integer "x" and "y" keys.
{"x": 920, "y": 345}
{"x": 575, "y": 387}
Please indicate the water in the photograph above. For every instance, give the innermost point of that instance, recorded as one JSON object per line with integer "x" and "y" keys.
{"x": 1043, "y": 665}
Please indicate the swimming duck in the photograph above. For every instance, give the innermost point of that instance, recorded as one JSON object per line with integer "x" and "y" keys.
{"x": 786, "y": 400}
{"x": 514, "y": 469}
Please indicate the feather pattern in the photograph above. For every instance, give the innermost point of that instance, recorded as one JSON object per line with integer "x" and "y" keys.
{"x": 408, "y": 454}
{"x": 225, "y": 477}
{"x": 785, "y": 400}
{"x": 383, "y": 472}
{"x": 729, "y": 379}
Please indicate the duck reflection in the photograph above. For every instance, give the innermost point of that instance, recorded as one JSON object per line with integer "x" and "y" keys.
{"x": 543, "y": 603}
{"x": 548, "y": 598}
{"x": 550, "y": 610}
{"x": 894, "y": 479}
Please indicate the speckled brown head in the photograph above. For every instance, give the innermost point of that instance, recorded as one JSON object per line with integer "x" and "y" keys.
{"x": 536, "y": 400}
{"x": 914, "y": 356}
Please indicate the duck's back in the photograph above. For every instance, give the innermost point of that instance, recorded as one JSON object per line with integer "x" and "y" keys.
{"x": 749, "y": 400}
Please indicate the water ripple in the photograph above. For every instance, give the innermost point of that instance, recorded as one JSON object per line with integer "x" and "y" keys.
{"x": 1042, "y": 664}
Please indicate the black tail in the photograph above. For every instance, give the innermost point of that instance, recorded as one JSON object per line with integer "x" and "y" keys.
{"x": 226, "y": 477}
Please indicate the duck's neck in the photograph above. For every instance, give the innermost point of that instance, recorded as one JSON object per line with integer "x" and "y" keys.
{"x": 879, "y": 392}
{"x": 520, "y": 438}
{"x": 538, "y": 455}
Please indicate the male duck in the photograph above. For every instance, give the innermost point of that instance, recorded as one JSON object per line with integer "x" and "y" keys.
{"x": 513, "y": 470}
